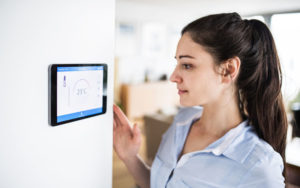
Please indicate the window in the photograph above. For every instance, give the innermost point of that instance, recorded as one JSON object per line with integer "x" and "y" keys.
{"x": 286, "y": 32}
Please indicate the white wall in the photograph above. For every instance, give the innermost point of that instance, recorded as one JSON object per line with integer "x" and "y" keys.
{"x": 34, "y": 34}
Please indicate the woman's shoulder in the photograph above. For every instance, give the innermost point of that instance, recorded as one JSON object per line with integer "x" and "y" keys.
{"x": 248, "y": 149}
{"x": 264, "y": 166}
{"x": 261, "y": 151}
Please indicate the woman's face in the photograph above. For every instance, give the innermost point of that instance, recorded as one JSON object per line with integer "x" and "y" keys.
{"x": 197, "y": 80}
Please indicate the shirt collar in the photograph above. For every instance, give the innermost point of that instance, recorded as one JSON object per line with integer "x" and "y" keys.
{"x": 188, "y": 115}
{"x": 228, "y": 138}
{"x": 230, "y": 145}
{"x": 220, "y": 146}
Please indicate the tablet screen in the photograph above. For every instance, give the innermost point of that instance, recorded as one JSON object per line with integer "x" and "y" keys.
{"x": 80, "y": 92}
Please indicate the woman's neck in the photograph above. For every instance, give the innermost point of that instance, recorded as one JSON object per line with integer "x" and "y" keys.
{"x": 219, "y": 117}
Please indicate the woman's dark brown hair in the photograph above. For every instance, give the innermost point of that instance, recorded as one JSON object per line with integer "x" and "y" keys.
{"x": 259, "y": 80}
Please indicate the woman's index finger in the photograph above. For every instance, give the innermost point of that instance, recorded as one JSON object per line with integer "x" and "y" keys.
{"x": 120, "y": 116}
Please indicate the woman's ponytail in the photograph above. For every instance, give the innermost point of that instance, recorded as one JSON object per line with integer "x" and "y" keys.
{"x": 259, "y": 82}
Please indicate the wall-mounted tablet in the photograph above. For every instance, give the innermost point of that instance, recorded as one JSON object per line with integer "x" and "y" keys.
{"x": 76, "y": 91}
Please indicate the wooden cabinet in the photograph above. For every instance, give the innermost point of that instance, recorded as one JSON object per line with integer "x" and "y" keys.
{"x": 146, "y": 98}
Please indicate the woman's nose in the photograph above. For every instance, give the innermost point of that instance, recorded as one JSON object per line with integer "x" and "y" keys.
{"x": 175, "y": 77}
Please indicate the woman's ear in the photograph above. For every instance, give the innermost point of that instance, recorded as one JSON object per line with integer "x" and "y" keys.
{"x": 230, "y": 69}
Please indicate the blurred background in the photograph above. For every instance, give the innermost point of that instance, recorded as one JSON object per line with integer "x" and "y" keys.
{"x": 146, "y": 35}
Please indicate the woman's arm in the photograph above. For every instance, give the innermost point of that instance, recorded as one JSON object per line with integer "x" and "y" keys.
{"x": 127, "y": 142}
{"x": 139, "y": 170}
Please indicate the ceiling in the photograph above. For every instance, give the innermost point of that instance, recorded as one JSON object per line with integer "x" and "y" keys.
{"x": 247, "y": 7}
{"x": 178, "y": 12}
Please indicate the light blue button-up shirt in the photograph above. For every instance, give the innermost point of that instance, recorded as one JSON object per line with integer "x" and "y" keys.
{"x": 238, "y": 159}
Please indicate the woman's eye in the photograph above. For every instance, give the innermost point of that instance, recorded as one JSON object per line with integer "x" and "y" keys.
{"x": 186, "y": 66}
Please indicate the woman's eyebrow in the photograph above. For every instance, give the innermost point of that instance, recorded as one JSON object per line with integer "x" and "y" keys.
{"x": 185, "y": 56}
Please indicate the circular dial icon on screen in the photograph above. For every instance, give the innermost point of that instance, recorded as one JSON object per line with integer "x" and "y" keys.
{"x": 80, "y": 92}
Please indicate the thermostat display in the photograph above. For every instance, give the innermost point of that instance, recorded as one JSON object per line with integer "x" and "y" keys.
{"x": 79, "y": 91}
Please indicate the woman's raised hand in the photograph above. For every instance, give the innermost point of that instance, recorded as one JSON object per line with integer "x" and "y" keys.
{"x": 127, "y": 140}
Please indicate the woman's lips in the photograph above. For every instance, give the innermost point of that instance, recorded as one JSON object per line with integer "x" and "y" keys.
{"x": 180, "y": 92}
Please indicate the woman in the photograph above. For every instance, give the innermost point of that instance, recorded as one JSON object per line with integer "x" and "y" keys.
{"x": 232, "y": 130}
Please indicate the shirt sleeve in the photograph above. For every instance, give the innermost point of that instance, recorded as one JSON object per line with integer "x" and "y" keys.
{"x": 265, "y": 174}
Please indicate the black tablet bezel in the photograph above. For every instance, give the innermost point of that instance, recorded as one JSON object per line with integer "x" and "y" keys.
{"x": 53, "y": 92}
